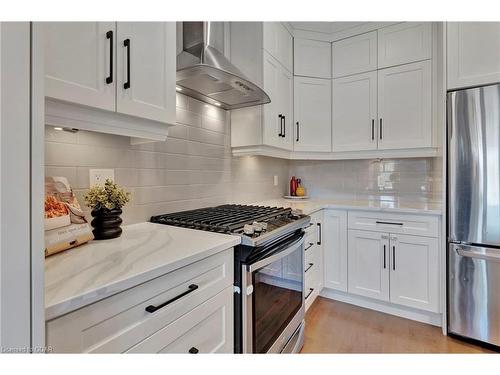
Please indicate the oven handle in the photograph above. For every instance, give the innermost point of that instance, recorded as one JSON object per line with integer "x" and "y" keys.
{"x": 293, "y": 246}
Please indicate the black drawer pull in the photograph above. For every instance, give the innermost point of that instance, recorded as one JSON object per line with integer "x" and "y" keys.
{"x": 384, "y": 258}
{"x": 373, "y": 129}
{"x": 193, "y": 350}
{"x": 126, "y": 43}
{"x": 109, "y": 35}
{"x": 284, "y": 126}
{"x": 394, "y": 258}
{"x": 297, "y": 131}
{"x": 152, "y": 309}
{"x": 311, "y": 244}
{"x": 388, "y": 223}
{"x": 310, "y": 291}
{"x": 380, "y": 128}
{"x": 280, "y": 116}
{"x": 308, "y": 268}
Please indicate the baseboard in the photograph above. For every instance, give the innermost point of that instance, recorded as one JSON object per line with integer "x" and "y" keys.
{"x": 368, "y": 303}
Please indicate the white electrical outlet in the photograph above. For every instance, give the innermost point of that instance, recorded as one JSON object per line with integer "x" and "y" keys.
{"x": 99, "y": 176}
{"x": 275, "y": 181}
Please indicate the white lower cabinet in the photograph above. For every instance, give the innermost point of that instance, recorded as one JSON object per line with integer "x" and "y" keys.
{"x": 368, "y": 264}
{"x": 313, "y": 259}
{"x": 190, "y": 309}
{"x": 335, "y": 249}
{"x": 414, "y": 272}
{"x": 402, "y": 269}
{"x": 205, "y": 329}
{"x": 386, "y": 261}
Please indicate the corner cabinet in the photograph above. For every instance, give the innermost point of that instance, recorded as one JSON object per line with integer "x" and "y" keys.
{"x": 473, "y": 54}
{"x": 124, "y": 68}
{"x": 263, "y": 52}
{"x": 335, "y": 249}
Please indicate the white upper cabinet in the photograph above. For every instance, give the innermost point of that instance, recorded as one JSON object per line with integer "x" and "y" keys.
{"x": 404, "y": 106}
{"x": 353, "y": 55}
{"x": 79, "y": 62}
{"x": 473, "y": 56}
{"x": 354, "y": 123}
{"x": 404, "y": 43}
{"x": 414, "y": 272}
{"x": 279, "y": 43}
{"x": 368, "y": 264}
{"x": 146, "y": 70}
{"x": 335, "y": 249}
{"x": 312, "y": 58}
{"x": 312, "y": 114}
{"x": 278, "y": 84}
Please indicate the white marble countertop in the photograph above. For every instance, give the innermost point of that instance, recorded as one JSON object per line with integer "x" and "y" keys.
{"x": 308, "y": 206}
{"x": 99, "y": 269}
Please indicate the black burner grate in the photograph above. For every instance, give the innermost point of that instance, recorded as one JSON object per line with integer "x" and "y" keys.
{"x": 227, "y": 218}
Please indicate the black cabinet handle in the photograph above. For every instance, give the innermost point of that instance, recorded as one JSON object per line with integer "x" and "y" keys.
{"x": 284, "y": 126}
{"x": 152, "y": 309}
{"x": 319, "y": 233}
{"x": 310, "y": 291}
{"x": 373, "y": 129}
{"x": 394, "y": 258}
{"x": 380, "y": 135}
{"x": 109, "y": 35}
{"x": 310, "y": 245}
{"x": 308, "y": 268}
{"x": 388, "y": 223}
{"x": 280, "y": 116}
{"x": 126, "y": 44}
{"x": 297, "y": 131}
{"x": 193, "y": 350}
{"x": 384, "y": 257}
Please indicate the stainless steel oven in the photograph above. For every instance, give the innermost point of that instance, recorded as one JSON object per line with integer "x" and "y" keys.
{"x": 272, "y": 297}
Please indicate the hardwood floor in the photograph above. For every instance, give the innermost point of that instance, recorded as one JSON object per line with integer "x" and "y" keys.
{"x": 336, "y": 327}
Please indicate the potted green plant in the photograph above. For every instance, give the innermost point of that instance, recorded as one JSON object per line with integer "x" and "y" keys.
{"x": 106, "y": 203}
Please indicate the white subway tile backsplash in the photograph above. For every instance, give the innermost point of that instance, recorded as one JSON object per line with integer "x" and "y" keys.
{"x": 193, "y": 168}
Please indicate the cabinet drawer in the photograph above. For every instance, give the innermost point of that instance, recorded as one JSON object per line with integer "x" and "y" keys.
{"x": 394, "y": 223}
{"x": 117, "y": 323}
{"x": 207, "y": 328}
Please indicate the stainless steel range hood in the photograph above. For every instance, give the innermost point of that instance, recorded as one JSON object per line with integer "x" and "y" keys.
{"x": 207, "y": 75}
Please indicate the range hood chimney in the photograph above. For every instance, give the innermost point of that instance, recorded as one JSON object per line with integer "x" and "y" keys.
{"x": 207, "y": 75}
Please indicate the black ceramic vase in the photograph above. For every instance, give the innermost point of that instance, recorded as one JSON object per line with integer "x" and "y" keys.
{"x": 106, "y": 223}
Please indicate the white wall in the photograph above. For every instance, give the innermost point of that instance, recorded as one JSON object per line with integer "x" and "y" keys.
{"x": 14, "y": 186}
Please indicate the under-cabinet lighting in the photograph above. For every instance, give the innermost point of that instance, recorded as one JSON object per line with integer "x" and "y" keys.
{"x": 217, "y": 104}
{"x": 177, "y": 88}
{"x": 58, "y": 128}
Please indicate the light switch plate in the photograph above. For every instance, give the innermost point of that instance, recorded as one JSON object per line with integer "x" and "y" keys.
{"x": 99, "y": 176}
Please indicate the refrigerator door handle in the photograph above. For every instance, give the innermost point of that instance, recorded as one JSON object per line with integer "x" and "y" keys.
{"x": 486, "y": 254}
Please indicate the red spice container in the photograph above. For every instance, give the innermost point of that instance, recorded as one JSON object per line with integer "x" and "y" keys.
{"x": 293, "y": 186}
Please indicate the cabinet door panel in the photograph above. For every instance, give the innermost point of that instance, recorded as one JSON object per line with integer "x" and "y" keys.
{"x": 335, "y": 249}
{"x": 368, "y": 272}
{"x": 272, "y": 120}
{"x": 404, "y": 106}
{"x": 473, "y": 53}
{"x": 353, "y": 55}
{"x": 312, "y": 114}
{"x": 278, "y": 42}
{"x": 404, "y": 43}
{"x": 354, "y": 112}
{"x": 312, "y": 58}
{"x": 77, "y": 63}
{"x": 285, "y": 93}
{"x": 152, "y": 70}
{"x": 414, "y": 272}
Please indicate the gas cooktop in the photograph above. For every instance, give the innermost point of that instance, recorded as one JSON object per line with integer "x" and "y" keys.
{"x": 255, "y": 224}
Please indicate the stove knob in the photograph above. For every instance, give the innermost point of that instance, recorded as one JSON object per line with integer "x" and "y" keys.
{"x": 248, "y": 229}
{"x": 264, "y": 225}
{"x": 257, "y": 227}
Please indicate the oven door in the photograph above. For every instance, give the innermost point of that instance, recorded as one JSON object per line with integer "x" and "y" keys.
{"x": 273, "y": 300}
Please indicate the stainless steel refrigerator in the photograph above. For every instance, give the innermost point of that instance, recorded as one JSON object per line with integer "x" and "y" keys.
{"x": 474, "y": 213}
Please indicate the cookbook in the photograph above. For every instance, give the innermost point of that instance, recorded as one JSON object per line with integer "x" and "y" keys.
{"x": 65, "y": 223}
